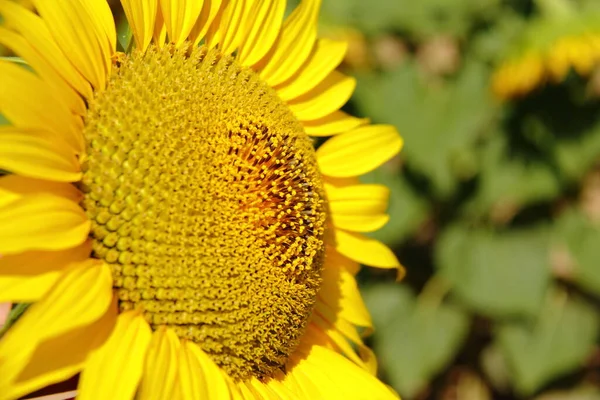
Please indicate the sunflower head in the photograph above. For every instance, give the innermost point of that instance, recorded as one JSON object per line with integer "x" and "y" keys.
{"x": 173, "y": 193}
{"x": 562, "y": 39}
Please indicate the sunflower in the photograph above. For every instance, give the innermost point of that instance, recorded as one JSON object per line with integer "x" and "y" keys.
{"x": 166, "y": 211}
{"x": 563, "y": 38}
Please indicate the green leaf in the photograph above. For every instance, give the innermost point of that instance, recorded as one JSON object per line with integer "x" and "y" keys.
{"x": 440, "y": 123}
{"x": 407, "y": 210}
{"x": 415, "y": 338}
{"x": 581, "y": 238}
{"x": 421, "y": 18}
{"x": 496, "y": 274}
{"x": 510, "y": 180}
{"x": 124, "y": 36}
{"x": 559, "y": 340}
{"x": 13, "y": 316}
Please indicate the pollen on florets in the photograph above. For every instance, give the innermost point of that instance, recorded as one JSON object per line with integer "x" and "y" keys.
{"x": 207, "y": 203}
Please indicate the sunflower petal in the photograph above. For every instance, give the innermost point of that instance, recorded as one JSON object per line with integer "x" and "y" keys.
{"x": 360, "y": 223}
{"x": 180, "y": 17}
{"x": 28, "y": 102}
{"x": 80, "y": 296}
{"x": 36, "y": 32}
{"x": 70, "y": 23}
{"x": 160, "y": 31}
{"x": 64, "y": 93}
{"x": 26, "y": 289}
{"x": 160, "y": 368}
{"x": 141, "y": 15}
{"x": 326, "y": 56}
{"x": 262, "y": 28}
{"x": 36, "y": 154}
{"x": 41, "y": 222}
{"x": 359, "y": 151}
{"x": 225, "y": 30}
{"x": 114, "y": 370}
{"x": 340, "y": 291}
{"x": 14, "y": 187}
{"x": 365, "y": 250}
{"x": 337, "y": 377}
{"x": 296, "y": 41}
{"x": 358, "y": 199}
{"x": 325, "y": 334}
{"x": 332, "y": 124}
{"x": 100, "y": 20}
{"x": 359, "y": 208}
{"x": 207, "y": 15}
{"x": 200, "y": 377}
{"x": 104, "y": 21}
{"x": 328, "y": 96}
{"x": 57, "y": 358}
{"x": 26, "y": 277}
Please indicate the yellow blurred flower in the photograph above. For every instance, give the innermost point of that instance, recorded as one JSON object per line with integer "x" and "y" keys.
{"x": 551, "y": 47}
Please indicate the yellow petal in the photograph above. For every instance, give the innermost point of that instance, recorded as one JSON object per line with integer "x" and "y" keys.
{"x": 114, "y": 370}
{"x": 80, "y": 297}
{"x": 37, "y": 34}
{"x": 338, "y": 378}
{"x": 340, "y": 291}
{"x": 28, "y": 102}
{"x": 36, "y": 154}
{"x": 297, "y": 382}
{"x": 365, "y": 250}
{"x": 69, "y": 24}
{"x": 160, "y": 31}
{"x": 324, "y": 333}
{"x": 100, "y": 11}
{"x": 180, "y": 16}
{"x": 359, "y": 151}
{"x": 326, "y": 56}
{"x": 359, "y": 208}
{"x": 100, "y": 20}
{"x": 277, "y": 386}
{"x": 64, "y": 93}
{"x": 26, "y": 289}
{"x": 225, "y": 30}
{"x": 294, "y": 45}
{"x": 141, "y": 15}
{"x": 15, "y": 187}
{"x": 360, "y": 223}
{"x": 200, "y": 377}
{"x": 334, "y": 123}
{"x": 262, "y": 28}
{"x": 207, "y": 15}
{"x": 328, "y": 96}
{"x": 56, "y": 359}
{"x": 358, "y": 199}
{"x": 41, "y": 222}
{"x": 26, "y": 277}
{"x": 260, "y": 390}
{"x": 190, "y": 379}
{"x": 160, "y": 367}
{"x": 246, "y": 393}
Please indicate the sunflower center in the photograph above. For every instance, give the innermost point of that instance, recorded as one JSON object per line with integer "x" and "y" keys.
{"x": 207, "y": 203}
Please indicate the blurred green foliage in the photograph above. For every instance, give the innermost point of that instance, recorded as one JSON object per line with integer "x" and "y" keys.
{"x": 495, "y": 207}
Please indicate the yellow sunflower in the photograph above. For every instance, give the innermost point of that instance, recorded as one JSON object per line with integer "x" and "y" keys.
{"x": 563, "y": 38}
{"x": 166, "y": 212}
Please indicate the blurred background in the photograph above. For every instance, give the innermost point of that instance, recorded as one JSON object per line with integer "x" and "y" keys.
{"x": 495, "y": 198}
